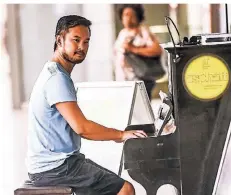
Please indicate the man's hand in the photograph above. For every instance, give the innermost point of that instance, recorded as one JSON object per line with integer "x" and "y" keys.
{"x": 132, "y": 134}
{"x": 91, "y": 130}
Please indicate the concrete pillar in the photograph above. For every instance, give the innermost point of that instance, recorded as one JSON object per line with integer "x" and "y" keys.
{"x": 215, "y": 18}
{"x": 194, "y": 19}
{"x": 173, "y": 8}
{"x": 13, "y": 45}
{"x": 182, "y": 19}
{"x": 6, "y": 139}
{"x": 99, "y": 61}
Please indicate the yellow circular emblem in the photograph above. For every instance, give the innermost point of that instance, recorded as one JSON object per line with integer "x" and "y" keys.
{"x": 206, "y": 77}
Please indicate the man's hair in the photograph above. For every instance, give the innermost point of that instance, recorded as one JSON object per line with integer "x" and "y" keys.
{"x": 138, "y": 8}
{"x": 66, "y": 22}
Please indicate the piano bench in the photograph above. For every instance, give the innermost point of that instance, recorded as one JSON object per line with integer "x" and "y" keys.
{"x": 29, "y": 189}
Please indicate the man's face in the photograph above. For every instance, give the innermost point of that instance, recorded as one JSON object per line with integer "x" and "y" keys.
{"x": 75, "y": 44}
{"x": 129, "y": 18}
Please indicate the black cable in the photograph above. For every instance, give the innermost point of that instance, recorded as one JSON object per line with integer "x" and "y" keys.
{"x": 168, "y": 18}
{"x": 226, "y": 17}
{"x": 170, "y": 33}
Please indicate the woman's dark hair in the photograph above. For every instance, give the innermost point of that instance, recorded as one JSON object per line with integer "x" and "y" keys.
{"x": 70, "y": 21}
{"x": 138, "y": 8}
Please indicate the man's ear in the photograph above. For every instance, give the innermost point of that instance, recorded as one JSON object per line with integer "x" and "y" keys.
{"x": 59, "y": 40}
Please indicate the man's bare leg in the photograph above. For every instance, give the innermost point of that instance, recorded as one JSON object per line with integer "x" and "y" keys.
{"x": 127, "y": 189}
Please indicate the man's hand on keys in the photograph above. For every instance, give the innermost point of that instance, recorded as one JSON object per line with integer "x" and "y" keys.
{"x": 133, "y": 134}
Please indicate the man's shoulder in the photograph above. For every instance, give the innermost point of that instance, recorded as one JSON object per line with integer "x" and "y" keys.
{"x": 54, "y": 73}
{"x": 53, "y": 69}
{"x": 58, "y": 86}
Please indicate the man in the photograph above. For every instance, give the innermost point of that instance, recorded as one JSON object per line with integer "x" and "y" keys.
{"x": 56, "y": 123}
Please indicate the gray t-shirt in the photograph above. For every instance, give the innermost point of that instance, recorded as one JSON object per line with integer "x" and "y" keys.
{"x": 50, "y": 138}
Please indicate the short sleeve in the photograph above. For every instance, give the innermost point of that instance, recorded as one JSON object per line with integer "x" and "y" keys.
{"x": 123, "y": 35}
{"x": 147, "y": 34}
{"x": 59, "y": 88}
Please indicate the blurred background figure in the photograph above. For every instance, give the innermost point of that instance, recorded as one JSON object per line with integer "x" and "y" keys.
{"x": 135, "y": 38}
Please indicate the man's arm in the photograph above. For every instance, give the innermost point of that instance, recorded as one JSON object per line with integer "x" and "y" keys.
{"x": 89, "y": 129}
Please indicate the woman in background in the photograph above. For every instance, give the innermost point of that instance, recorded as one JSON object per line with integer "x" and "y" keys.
{"x": 137, "y": 39}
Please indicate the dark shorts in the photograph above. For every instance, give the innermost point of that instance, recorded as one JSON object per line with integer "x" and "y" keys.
{"x": 83, "y": 175}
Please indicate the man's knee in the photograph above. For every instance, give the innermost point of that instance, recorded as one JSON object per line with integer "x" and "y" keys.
{"x": 127, "y": 189}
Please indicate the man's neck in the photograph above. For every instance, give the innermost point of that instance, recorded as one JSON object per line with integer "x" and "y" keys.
{"x": 68, "y": 66}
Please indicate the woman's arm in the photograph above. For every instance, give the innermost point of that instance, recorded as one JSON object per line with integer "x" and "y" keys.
{"x": 151, "y": 50}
